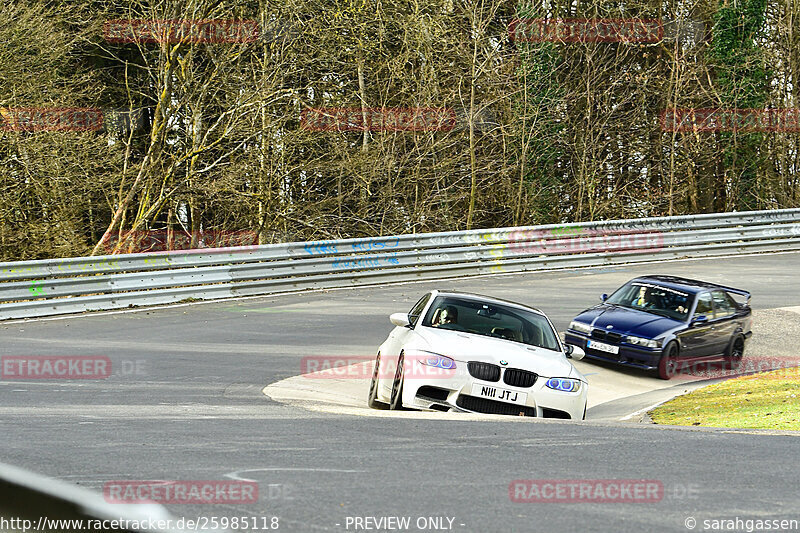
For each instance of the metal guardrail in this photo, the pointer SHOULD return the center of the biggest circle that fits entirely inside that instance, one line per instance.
(50, 287)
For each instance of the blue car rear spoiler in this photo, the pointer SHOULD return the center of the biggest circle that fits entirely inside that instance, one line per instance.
(739, 292)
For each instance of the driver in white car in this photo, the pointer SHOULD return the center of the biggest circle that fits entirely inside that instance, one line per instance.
(448, 315)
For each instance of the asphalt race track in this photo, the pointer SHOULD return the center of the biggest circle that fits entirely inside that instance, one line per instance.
(184, 402)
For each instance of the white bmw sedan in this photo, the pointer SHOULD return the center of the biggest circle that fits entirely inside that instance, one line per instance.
(464, 352)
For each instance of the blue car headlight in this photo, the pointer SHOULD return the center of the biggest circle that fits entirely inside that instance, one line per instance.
(580, 327)
(563, 384)
(438, 361)
(641, 341)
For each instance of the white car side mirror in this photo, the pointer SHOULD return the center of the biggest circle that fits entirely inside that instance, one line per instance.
(399, 319)
(574, 352)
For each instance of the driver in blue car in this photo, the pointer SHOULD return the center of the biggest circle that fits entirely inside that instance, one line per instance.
(643, 299)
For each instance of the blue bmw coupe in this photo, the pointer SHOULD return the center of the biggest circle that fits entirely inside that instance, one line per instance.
(665, 323)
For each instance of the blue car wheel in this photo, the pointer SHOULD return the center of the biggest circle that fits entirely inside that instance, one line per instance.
(667, 366)
(734, 353)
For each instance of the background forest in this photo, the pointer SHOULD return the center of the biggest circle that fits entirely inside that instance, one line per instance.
(207, 137)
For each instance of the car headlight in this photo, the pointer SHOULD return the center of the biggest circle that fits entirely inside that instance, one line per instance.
(438, 361)
(640, 341)
(563, 384)
(580, 326)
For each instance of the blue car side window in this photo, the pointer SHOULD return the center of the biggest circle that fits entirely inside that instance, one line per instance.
(704, 307)
(722, 306)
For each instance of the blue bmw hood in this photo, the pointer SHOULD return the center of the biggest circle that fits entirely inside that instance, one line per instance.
(625, 320)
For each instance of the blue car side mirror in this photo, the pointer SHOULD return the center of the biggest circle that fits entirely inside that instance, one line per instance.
(699, 319)
(603, 297)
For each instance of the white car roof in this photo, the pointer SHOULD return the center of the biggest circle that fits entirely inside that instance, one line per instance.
(480, 297)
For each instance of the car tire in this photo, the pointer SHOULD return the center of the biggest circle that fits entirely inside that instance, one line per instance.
(396, 402)
(668, 364)
(584, 409)
(734, 353)
(372, 400)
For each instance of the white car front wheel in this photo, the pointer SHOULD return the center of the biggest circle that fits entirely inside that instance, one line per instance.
(373, 401)
(396, 402)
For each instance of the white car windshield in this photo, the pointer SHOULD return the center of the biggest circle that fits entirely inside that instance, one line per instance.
(491, 320)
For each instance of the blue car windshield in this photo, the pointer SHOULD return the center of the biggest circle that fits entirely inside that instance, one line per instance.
(653, 298)
(491, 320)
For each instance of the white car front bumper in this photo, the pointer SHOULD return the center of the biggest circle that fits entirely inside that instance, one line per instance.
(426, 388)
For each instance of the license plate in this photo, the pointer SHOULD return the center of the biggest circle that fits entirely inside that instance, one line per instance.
(602, 347)
(496, 393)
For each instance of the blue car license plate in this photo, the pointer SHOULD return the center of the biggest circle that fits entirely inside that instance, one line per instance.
(602, 347)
